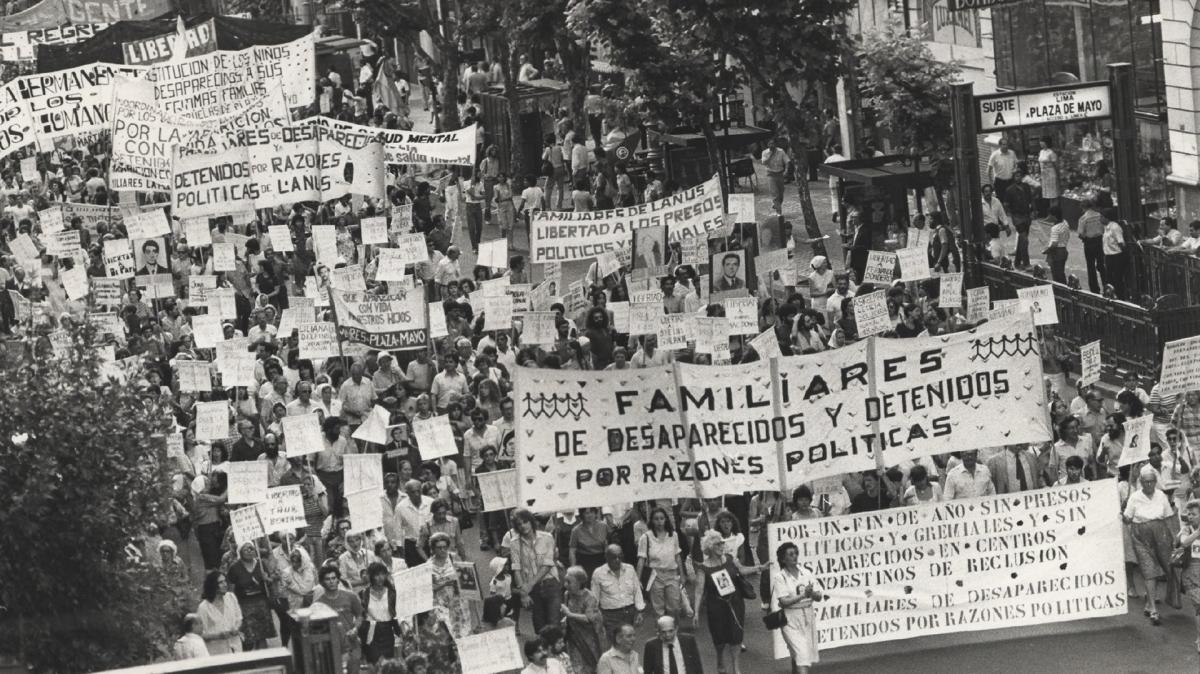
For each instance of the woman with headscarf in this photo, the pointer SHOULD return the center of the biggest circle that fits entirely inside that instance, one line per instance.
(328, 401)
(248, 580)
(1148, 511)
(820, 282)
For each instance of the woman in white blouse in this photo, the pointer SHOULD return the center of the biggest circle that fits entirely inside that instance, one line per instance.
(1148, 511)
(793, 590)
(220, 615)
(659, 550)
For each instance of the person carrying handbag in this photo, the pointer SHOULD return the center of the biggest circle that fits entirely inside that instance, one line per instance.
(721, 593)
(793, 591)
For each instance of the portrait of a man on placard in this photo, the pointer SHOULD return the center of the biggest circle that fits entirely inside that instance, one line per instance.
(728, 271)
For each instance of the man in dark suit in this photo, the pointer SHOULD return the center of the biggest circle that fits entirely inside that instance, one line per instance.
(730, 278)
(671, 652)
(150, 253)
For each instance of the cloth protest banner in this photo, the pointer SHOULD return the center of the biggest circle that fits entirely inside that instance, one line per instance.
(979, 302)
(247, 525)
(366, 510)
(392, 322)
(204, 185)
(1089, 363)
(1040, 300)
(498, 489)
(149, 224)
(318, 339)
(453, 148)
(990, 562)
(1180, 366)
(142, 139)
(75, 282)
(362, 471)
(193, 375)
(374, 231)
(198, 39)
(871, 314)
(414, 589)
(113, 11)
(212, 420)
(434, 437)
(493, 254)
(600, 438)
(950, 290)
(914, 264)
(881, 267)
(197, 233)
(281, 238)
(247, 481)
(302, 434)
(42, 107)
(305, 163)
(283, 509)
(490, 652)
(1138, 436)
(118, 259)
(741, 314)
(21, 45)
(565, 236)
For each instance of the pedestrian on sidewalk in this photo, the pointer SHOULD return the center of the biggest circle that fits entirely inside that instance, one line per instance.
(775, 159)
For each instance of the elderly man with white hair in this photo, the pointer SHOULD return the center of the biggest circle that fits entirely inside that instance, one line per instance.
(1148, 512)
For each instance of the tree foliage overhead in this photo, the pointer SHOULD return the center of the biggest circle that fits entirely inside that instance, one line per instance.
(82, 473)
(908, 88)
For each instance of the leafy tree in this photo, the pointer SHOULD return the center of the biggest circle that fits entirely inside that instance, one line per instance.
(676, 80)
(82, 473)
(786, 49)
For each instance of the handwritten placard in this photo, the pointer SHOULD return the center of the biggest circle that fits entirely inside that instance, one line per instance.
(498, 489)
(284, 509)
(247, 481)
(434, 436)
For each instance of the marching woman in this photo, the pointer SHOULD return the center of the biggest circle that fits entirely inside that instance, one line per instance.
(793, 591)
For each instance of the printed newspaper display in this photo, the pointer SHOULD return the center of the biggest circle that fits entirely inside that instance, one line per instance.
(565, 236)
(981, 563)
(616, 436)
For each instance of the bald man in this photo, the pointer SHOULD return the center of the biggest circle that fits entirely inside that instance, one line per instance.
(671, 646)
(616, 588)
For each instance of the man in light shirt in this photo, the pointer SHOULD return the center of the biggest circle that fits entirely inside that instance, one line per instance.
(993, 210)
(775, 159)
(448, 268)
(621, 658)
(968, 479)
(1191, 244)
(1091, 232)
(1000, 166)
(579, 159)
(617, 590)
(357, 396)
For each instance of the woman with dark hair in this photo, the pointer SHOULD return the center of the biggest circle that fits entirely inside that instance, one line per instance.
(599, 334)
(588, 540)
(249, 582)
(379, 627)
(793, 591)
(659, 550)
(220, 615)
(209, 525)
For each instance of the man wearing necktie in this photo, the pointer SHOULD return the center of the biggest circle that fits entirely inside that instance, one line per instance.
(671, 652)
(1014, 470)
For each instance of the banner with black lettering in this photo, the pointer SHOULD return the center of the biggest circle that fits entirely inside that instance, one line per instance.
(209, 185)
(22, 45)
(691, 430)
(199, 39)
(392, 322)
(43, 107)
(1028, 558)
(453, 148)
(349, 164)
(564, 236)
(142, 140)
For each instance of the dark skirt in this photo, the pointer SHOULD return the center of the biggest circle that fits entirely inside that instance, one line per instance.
(257, 624)
(383, 645)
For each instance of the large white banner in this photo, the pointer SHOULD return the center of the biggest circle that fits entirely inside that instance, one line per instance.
(410, 147)
(392, 322)
(563, 236)
(43, 107)
(209, 185)
(1028, 558)
(599, 438)
(141, 139)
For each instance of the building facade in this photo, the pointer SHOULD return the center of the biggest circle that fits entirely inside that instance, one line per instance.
(1035, 43)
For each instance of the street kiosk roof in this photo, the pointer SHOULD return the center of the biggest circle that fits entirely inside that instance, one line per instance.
(891, 171)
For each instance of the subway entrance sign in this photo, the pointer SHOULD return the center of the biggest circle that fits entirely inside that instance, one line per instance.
(1046, 105)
